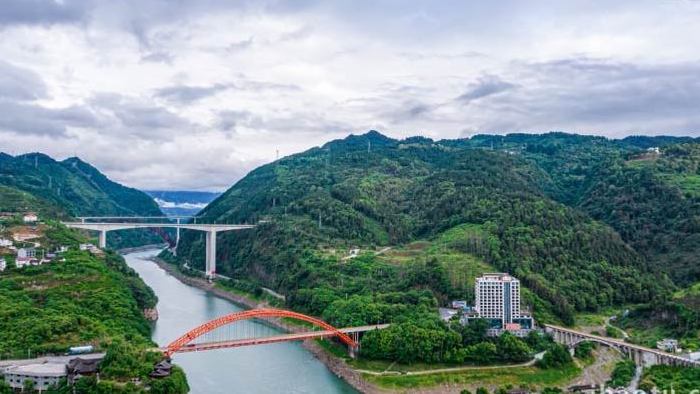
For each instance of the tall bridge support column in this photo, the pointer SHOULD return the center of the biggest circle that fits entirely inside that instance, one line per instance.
(103, 239)
(177, 238)
(210, 269)
(353, 351)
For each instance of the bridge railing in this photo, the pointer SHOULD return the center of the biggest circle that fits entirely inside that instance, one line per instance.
(154, 219)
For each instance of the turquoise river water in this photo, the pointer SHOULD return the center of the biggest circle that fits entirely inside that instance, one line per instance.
(275, 368)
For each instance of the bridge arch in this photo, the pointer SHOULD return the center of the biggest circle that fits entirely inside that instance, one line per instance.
(174, 346)
(609, 345)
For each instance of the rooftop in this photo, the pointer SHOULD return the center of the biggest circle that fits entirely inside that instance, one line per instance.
(496, 276)
(45, 369)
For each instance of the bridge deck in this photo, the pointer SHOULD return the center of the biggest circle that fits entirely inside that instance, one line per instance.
(197, 347)
(619, 343)
(112, 226)
(133, 217)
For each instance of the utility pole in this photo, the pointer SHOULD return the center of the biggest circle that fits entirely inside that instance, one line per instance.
(319, 220)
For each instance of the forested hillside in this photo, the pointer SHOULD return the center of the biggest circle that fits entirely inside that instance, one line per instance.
(530, 198)
(80, 299)
(653, 201)
(72, 188)
(73, 184)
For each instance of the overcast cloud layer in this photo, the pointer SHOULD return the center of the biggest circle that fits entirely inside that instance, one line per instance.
(193, 94)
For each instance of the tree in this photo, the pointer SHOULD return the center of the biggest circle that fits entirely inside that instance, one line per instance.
(552, 390)
(557, 356)
(512, 349)
(472, 333)
(584, 349)
(28, 386)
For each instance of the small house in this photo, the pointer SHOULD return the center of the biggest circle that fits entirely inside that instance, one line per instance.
(26, 253)
(30, 217)
(25, 257)
(668, 345)
(162, 369)
(79, 367)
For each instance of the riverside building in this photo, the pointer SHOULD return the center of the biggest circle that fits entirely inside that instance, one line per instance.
(498, 301)
(43, 375)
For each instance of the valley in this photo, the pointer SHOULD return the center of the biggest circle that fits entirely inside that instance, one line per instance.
(372, 230)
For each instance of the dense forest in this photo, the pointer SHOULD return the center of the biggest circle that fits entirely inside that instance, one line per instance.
(545, 208)
(61, 189)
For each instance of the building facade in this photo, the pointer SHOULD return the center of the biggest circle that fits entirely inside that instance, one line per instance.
(498, 301)
(498, 297)
(43, 375)
(30, 217)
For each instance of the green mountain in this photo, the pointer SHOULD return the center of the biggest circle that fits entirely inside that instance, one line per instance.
(73, 184)
(653, 201)
(526, 204)
(71, 188)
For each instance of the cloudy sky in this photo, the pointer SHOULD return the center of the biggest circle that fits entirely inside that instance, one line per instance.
(193, 94)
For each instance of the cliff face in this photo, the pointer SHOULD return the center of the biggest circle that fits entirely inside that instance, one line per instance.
(151, 314)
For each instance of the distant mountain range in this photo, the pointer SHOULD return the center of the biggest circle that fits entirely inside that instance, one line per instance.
(182, 203)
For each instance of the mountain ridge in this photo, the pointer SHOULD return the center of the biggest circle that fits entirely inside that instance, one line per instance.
(70, 188)
(370, 189)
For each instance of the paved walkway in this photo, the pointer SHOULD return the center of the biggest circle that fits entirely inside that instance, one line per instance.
(530, 363)
(623, 332)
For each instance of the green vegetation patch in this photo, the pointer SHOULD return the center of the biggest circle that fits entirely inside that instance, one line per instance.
(622, 374)
(48, 308)
(85, 299)
(665, 377)
(532, 376)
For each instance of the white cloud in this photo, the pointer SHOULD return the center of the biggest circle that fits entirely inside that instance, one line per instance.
(193, 96)
(183, 205)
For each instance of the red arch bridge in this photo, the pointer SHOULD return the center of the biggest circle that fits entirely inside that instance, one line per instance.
(240, 329)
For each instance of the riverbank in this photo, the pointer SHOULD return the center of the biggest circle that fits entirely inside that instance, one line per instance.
(143, 248)
(336, 365)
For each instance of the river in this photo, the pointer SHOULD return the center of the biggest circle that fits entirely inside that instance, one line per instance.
(275, 368)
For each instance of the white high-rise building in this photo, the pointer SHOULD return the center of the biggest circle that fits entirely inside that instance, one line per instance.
(498, 297)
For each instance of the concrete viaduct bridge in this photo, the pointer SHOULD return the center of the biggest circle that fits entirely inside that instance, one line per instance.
(642, 356)
(105, 224)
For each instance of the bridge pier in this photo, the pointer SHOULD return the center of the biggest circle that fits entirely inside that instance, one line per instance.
(210, 265)
(177, 237)
(103, 239)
